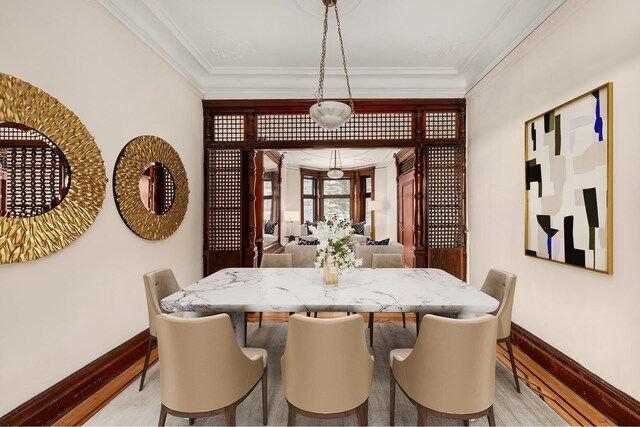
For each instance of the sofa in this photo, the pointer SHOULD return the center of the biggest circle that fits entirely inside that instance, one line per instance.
(360, 238)
(304, 256)
(366, 251)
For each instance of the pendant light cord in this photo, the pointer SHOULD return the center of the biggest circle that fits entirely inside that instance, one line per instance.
(320, 92)
(344, 59)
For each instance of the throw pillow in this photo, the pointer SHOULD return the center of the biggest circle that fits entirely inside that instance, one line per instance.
(308, 242)
(307, 224)
(383, 242)
(270, 227)
(358, 227)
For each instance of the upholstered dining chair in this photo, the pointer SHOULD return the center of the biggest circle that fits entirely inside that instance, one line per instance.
(327, 370)
(204, 372)
(158, 284)
(501, 285)
(274, 261)
(385, 261)
(450, 372)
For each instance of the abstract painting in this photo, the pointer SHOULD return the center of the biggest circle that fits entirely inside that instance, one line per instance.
(568, 170)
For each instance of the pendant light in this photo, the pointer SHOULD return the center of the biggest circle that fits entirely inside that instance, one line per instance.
(335, 172)
(331, 115)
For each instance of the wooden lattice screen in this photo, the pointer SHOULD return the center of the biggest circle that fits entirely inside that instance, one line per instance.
(233, 130)
(445, 196)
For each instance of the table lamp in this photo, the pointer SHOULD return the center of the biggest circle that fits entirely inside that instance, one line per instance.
(291, 216)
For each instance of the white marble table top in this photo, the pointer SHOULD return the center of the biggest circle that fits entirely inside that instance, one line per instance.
(359, 290)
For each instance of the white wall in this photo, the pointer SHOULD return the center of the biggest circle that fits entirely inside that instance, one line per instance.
(290, 194)
(591, 317)
(65, 310)
(381, 208)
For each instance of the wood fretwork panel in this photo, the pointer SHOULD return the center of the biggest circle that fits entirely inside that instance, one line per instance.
(224, 213)
(365, 126)
(228, 128)
(445, 196)
(441, 125)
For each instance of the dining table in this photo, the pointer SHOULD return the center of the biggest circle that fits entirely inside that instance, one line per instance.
(366, 290)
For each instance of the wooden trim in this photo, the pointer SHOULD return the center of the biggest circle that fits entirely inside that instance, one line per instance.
(53, 403)
(615, 404)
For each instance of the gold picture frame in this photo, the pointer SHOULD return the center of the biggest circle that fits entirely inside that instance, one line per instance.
(25, 239)
(133, 160)
(569, 182)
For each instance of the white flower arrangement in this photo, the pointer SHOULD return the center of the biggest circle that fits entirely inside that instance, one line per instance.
(334, 235)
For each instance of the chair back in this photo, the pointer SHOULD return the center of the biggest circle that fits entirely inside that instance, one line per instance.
(326, 367)
(157, 285)
(501, 285)
(386, 261)
(202, 367)
(452, 366)
(276, 261)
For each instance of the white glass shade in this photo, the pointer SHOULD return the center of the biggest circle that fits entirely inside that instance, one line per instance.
(335, 173)
(291, 215)
(330, 115)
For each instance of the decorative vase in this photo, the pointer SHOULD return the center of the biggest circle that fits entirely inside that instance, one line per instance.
(329, 277)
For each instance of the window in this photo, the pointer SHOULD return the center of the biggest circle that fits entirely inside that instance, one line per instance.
(268, 212)
(309, 199)
(336, 198)
(367, 185)
(345, 198)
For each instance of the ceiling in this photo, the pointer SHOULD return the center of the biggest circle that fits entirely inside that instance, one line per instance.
(351, 158)
(243, 49)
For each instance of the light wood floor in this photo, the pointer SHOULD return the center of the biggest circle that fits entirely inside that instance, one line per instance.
(573, 409)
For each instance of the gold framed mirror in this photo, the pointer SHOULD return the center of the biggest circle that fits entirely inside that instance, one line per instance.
(52, 175)
(150, 187)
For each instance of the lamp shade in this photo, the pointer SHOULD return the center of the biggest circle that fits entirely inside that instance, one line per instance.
(291, 215)
(335, 173)
(330, 115)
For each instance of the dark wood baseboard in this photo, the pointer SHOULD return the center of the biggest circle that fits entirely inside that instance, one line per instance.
(615, 404)
(53, 403)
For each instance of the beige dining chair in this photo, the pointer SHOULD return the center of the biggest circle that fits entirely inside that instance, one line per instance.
(385, 261)
(450, 372)
(158, 284)
(204, 372)
(326, 368)
(501, 285)
(274, 261)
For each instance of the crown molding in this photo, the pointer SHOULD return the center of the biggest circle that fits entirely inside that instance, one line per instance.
(155, 28)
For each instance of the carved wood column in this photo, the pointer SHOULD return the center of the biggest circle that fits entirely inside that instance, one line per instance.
(249, 190)
(419, 249)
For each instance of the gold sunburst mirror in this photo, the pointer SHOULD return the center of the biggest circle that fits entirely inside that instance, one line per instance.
(150, 187)
(52, 176)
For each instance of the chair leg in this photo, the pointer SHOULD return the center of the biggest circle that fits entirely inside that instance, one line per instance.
(265, 407)
(163, 416)
(308, 314)
(230, 415)
(466, 422)
(371, 329)
(404, 320)
(260, 320)
(422, 416)
(366, 412)
(392, 398)
(361, 414)
(417, 323)
(192, 421)
(291, 420)
(146, 361)
(315, 314)
(492, 418)
(512, 359)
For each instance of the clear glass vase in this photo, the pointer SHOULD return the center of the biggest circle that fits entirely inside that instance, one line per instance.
(329, 277)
